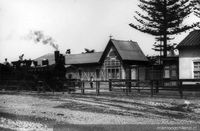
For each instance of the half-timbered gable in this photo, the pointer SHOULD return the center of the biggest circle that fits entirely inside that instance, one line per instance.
(111, 63)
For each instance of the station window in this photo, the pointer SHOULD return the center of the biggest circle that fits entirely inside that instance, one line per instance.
(170, 71)
(197, 70)
(166, 72)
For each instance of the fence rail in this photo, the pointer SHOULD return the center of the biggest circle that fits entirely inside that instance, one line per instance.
(126, 85)
(155, 86)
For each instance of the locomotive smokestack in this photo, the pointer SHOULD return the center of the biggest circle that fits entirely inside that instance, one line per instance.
(57, 56)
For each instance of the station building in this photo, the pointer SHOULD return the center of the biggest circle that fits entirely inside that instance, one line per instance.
(119, 60)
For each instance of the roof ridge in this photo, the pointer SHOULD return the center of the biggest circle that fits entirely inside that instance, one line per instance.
(125, 40)
(48, 54)
(86, 53)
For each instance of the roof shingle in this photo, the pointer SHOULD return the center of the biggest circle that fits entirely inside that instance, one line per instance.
(85, 58)
(129, 50)
(192, 40)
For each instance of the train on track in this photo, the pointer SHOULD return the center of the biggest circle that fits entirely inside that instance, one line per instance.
(27, 74)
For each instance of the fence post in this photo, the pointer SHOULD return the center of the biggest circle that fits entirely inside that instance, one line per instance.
(138, 85)
(127, 87)
(97, 87)
(157, 86)
(181, 89)
(38, 86)
(152, 88)
(110, 85)
(37, 89)
(53, 91)
(82, 88)
(68, 87)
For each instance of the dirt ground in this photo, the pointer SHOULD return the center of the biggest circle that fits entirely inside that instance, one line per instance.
(108, 111)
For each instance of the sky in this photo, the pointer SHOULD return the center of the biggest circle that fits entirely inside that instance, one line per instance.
(73, 24)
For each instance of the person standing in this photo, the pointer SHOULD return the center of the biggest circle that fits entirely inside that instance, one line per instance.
(91, 81)
(6, 62)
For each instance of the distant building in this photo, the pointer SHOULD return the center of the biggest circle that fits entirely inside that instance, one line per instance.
(50, 57)
(189, 56)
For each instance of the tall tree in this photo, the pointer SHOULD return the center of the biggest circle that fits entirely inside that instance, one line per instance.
(196, 7)
(163, 18)
(170, 48)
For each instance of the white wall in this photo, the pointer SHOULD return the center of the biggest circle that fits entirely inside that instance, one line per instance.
(185, 68)
(186, 59)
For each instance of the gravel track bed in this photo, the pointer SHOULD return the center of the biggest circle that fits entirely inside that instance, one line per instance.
(90, 109)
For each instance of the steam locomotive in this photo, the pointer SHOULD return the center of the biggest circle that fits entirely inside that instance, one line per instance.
(52, 77)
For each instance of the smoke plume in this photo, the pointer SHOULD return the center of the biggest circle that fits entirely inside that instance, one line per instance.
(39, 37)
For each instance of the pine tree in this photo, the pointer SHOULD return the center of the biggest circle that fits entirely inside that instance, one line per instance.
(163, 19)
(196, 7)
(160, 48)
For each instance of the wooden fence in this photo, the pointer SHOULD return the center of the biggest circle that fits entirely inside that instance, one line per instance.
(179, 85)
(125, 85)
(84, 85)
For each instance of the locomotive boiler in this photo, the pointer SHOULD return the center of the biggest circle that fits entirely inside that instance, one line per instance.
(28, 71)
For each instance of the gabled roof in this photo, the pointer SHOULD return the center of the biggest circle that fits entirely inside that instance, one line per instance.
(129, 50)
(192, 40)
(85, 58)
(49, 56)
